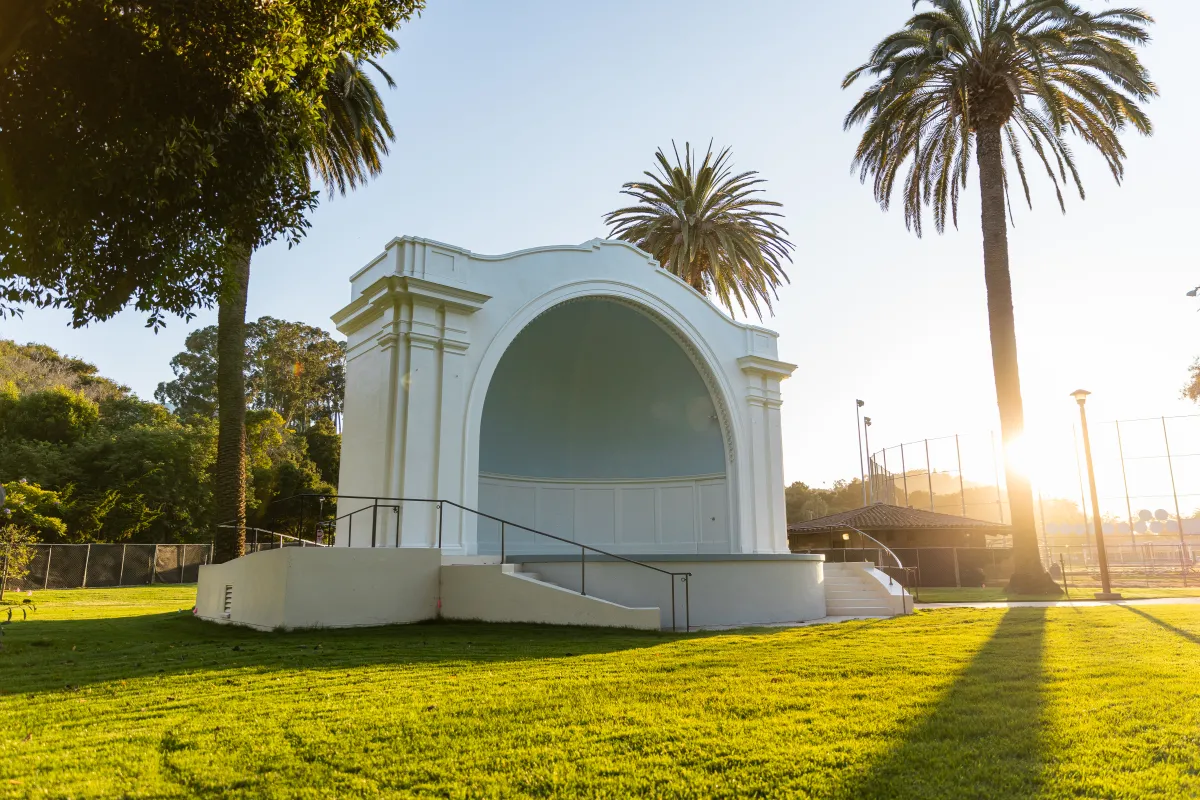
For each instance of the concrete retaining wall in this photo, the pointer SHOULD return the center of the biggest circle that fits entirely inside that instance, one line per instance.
(728, 590)
(322, 587)
(497, 594)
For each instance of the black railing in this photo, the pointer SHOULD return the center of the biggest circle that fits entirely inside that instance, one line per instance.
(396, 504)
(912, 575)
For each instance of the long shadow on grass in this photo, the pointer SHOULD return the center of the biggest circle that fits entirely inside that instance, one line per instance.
(53, 655)
(983, 738)
(1191, 637)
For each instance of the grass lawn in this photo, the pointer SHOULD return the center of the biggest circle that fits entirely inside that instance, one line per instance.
(117, 693)
(996, 594)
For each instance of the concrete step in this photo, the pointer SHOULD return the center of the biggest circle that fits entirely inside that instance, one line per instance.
(842, 594)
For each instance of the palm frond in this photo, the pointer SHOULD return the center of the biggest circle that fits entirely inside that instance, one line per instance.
(348, 145)
(708, 226)
(1039, 70)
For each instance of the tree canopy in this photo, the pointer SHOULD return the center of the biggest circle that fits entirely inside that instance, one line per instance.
(1038, 70)
(217, 102)
(295, 370)
(116, 468)
(709, 226)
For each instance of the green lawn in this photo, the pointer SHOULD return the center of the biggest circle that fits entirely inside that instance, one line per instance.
(996, 594)
(117, 693)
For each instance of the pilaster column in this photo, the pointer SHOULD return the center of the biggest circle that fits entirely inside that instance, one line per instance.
(768, 532)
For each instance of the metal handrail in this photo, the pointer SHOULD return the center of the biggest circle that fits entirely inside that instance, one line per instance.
(896, 558)
(503, 526)
(303, 542)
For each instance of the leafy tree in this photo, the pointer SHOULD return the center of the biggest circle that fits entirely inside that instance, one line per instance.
(57, 416)
(344, 146)
(805, 502)
(1003, 81)
(193, 393)
(28, 515)
(294, 369)
(325, 449)
(279, 468)
(217, 101)
(32, 367)
(709, 227)
(33, 510)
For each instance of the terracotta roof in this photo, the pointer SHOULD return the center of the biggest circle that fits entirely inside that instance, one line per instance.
(881, 516)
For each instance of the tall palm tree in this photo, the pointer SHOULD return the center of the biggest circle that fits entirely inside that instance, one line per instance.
(709, 227)
(345, 150)
(999, 79)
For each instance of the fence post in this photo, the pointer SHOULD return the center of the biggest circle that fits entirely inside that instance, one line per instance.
(1125, 480)
(121, 574)
(153, 563)
(49, 554)
(904, 474)
(962, 492)
(182, 555)
(4, 576)
(374, 519)
(929, 474)
(87, 557)
(957, 579)
(1175, 494)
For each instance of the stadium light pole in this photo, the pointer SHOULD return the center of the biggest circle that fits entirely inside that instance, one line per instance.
(870, 464)
(1080, 396)
(862, 470)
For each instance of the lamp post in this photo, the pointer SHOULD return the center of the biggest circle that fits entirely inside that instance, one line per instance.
(871, 464)
(862, 470)
(1080, 396)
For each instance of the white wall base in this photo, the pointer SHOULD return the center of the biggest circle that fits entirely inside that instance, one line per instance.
(322, 587)
(332, 587)
(729, 591)
(499, 594)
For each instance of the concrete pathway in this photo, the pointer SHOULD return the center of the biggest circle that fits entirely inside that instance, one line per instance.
(1158, 601)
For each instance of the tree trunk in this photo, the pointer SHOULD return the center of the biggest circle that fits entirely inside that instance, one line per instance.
(1029, 576)
(230, 543)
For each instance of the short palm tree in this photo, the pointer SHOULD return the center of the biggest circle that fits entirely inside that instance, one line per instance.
(709, 227)
(1002, 82)
(345, 149)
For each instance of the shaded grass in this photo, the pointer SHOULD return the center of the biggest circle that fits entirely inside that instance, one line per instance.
(117, 693)
(996, 594)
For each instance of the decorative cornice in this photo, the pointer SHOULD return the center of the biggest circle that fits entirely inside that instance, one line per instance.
(390, 288)
(757, 365)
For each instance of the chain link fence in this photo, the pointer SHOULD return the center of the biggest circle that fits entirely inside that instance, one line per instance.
(933, 566)
(77, 566)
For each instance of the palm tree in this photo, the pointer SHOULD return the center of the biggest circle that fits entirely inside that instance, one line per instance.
(345, 149)
(708, 227)
(999, 79)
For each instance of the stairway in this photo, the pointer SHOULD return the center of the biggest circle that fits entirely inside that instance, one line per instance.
(860, 590)
(502, 593)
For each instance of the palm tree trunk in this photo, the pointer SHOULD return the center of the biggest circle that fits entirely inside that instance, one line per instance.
(230, 543)
(1029, 576)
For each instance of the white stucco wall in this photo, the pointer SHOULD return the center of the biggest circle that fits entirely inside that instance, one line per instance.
(721, 592)
(309, 587)
(496, 594)
(429, 323)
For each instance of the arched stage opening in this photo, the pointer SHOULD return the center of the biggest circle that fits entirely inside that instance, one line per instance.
(598, 427)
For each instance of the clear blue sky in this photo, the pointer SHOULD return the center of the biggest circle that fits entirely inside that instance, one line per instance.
(518, 122)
